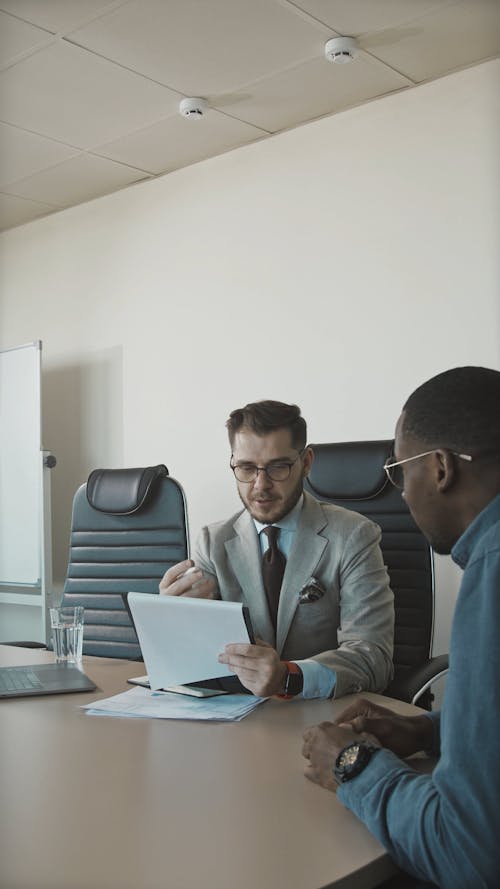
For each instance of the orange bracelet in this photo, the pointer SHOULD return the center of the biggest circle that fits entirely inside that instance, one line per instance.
(292, 668)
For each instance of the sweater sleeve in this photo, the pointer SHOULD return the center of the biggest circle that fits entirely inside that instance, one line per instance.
(444, 827)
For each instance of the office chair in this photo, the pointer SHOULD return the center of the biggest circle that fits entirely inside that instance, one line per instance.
(351, 474)
(128, 526)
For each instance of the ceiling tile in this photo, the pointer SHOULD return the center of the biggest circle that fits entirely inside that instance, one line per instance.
(80, 179)
(459, 35)
(312, 90)
(177, 142)
(26, 153)
(260, 63)
(202, 48)
(77, 97)
(17, 38)
(355, 17)
(16, 211)
(57, 15)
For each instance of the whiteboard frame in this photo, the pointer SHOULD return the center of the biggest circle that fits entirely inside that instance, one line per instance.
(38, 593)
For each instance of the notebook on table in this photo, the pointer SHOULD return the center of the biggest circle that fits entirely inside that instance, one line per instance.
(42, 679)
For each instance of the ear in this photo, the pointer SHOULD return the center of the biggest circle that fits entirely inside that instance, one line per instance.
(307, 460)
(445, 471)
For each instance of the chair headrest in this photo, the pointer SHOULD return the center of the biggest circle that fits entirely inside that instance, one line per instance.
(350, 470)
(122, 491)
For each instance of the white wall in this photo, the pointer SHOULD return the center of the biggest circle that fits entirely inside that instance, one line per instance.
(337, 266)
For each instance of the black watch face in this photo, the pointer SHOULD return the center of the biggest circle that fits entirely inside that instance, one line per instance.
(349, 757)
(294, 683)
(352, 760)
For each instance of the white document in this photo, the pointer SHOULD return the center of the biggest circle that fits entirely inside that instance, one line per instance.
(181, 637)
(143, 703)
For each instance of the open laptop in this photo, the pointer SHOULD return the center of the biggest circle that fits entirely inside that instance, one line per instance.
(42, 679)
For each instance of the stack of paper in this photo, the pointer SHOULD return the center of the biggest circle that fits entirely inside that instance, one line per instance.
(143, 703)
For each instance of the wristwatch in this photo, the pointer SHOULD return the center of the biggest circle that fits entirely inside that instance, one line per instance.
(294, 682)
(353, 759)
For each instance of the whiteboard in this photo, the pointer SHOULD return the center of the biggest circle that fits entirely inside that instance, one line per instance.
(21, 465)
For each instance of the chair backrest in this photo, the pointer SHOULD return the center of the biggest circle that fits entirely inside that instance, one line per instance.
(124, 549)
(351, 474)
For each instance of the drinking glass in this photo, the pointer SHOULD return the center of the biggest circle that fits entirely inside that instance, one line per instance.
(67, 633)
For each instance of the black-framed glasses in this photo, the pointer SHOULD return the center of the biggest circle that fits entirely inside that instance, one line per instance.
(394, 472)
(277, 471)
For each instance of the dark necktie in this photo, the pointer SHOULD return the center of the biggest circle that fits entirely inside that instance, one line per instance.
(273, 569)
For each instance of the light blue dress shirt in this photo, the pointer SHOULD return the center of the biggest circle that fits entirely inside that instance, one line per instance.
(319, 681)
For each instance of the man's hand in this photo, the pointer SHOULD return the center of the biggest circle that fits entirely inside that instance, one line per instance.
(404, 735)
(322, 745)
(258, 667)
(194, 584)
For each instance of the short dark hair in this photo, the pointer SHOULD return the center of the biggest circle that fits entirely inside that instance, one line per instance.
(458, 409)
(263, 417)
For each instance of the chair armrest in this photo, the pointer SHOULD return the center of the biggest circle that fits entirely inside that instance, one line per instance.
(26, 644)
(410, 687)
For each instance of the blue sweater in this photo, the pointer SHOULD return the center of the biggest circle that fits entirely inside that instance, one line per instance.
(445, 827)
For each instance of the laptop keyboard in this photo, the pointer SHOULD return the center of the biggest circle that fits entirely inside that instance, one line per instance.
(18, 680)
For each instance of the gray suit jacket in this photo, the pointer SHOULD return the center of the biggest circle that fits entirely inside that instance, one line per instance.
(351, 628)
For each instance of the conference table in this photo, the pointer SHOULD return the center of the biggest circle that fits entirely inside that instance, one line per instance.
(98, 802)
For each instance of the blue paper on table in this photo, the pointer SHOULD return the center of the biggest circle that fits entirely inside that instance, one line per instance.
(143, 703)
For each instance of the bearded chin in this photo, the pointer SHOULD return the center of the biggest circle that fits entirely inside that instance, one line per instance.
(284, 507)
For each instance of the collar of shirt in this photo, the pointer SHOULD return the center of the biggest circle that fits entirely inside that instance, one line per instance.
(287, 525)
(466, 543)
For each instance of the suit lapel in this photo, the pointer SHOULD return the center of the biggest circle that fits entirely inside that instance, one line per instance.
(243, 552)
(304, 557)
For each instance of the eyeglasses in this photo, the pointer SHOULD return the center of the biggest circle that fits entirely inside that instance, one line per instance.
(277, 472)
(394, 472)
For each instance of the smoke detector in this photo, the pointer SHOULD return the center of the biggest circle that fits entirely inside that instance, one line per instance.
(341, 49)
(193, 108)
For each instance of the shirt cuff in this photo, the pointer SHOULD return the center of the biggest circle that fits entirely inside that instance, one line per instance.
(319, 681)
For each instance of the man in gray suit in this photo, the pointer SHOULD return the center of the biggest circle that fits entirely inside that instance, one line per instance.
(311, 573)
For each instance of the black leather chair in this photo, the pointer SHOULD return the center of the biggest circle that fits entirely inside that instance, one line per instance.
(128, 526)
(351, 474)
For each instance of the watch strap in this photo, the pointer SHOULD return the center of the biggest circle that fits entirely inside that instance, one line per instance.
(294, 682)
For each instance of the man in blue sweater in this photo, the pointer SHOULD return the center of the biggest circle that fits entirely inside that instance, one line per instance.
(445, 827)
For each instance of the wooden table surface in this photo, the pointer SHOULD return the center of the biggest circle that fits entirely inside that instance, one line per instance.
(91, 802)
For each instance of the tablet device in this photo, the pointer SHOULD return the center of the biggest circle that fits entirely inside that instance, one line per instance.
(181, 637)
(192, 691)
